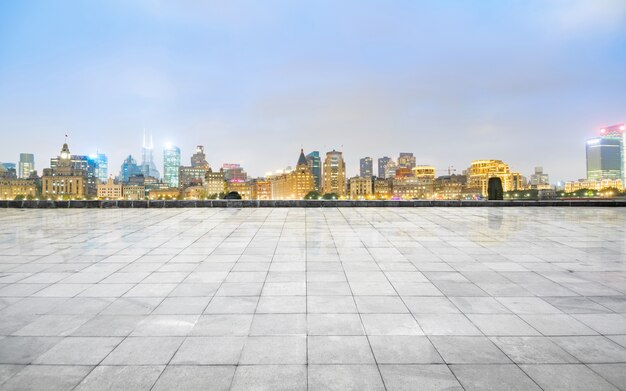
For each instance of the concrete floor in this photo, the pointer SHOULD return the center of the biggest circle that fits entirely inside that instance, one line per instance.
(295, 299)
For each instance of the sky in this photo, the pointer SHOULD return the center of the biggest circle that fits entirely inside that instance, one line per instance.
(524, 81)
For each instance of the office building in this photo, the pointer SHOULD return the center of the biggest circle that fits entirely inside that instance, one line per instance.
(594, 184)
(171, 164)
(382, 166)
(263, 189)
(198, 159)
(295, 184)
(234, 172)
(406, 160)
(383, 188)
(334, 173)
(361, 187)
(11, 187)
(129, 169)
(539, 180)
(214, 182)
(102, 166)
(604, 158)
(315, 162)
(26, 165)
(366, 167)
(110, 190)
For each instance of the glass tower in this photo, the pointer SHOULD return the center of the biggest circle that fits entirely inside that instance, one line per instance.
(315, 163)
(366, 167)
(604, 158)
(382, 166)
(171, 164)
(26, 165)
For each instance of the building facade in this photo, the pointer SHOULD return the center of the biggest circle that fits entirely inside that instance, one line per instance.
(171, 164)
(296, 184)
(334, 173)
(110, 190)
(480, 171)
(366, 167)
(361, 187)
(129, 169)
(383, 188)
(604, 158)
(406, 160)
(64, 180)
(315, 163)
(382, 166)
(148, 167)
(26, 166)
(198, 159)
(214, 182)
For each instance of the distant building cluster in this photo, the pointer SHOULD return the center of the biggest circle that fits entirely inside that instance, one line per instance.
(314, 176)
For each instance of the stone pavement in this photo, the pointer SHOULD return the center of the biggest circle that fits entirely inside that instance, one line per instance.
(317, 299)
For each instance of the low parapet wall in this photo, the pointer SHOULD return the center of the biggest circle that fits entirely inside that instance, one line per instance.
(111, 204)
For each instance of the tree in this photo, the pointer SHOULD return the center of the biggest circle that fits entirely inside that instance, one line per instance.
(233, 195)
(312, 195)
(330, 196)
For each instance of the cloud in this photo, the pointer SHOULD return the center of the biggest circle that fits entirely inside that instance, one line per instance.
(587, 16)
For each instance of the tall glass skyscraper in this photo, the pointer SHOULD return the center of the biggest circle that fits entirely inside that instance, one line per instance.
(604, 158)
(382, 166)
(315, 163)
(102, 166)
(26, 165)
(148, 168)
(171, 164)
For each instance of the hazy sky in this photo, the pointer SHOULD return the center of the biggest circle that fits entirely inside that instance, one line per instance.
(523, 81)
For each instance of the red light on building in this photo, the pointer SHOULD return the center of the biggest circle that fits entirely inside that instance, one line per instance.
(612, 131)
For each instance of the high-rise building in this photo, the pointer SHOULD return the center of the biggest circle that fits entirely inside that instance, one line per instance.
(198, 159)
(26, 165)
(315, 163)
(382, 166)
(390, 169)
(129, 169)
(603, 153)
(171, 164)
(406, 160)
(234, 172)
(148, 168)
(604, 158)
(66, 178)
(334, 173)
(102, 166)
(366, 167)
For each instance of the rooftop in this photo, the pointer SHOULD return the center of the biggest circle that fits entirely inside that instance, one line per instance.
(313, 298)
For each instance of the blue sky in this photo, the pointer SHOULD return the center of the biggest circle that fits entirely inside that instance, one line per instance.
(452, 81)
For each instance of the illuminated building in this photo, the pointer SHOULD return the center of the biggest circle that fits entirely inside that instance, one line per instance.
(102, 166)
(403, 172)
(198, 159)
(410, 187)
(195, 192)
(382, 166)
(159, 194)
(171, 164)
(334, 173)
(315, 163)
(263, 189)
(406, 160)
(383, 188)
(191, 176)
(449, 187)
(26, 165)
(293, 185)
(110, 190)
(214, 182)
(594, 185)
(244, 188)
(481, 170)
(234, 172)
(11, 187)
(605, 154)
(360, 187)
(426, 172)
(148, 168)
(64, 179)
(129, 169)
(366, 167)
(84, 163)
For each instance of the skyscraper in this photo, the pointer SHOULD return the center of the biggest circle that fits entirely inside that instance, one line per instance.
(234, 172)
(148, 168)
(198, 159)
(26, 165)
(129, 169)
(315, 163)
(617, 132)
(406, 160)
(604, 158)
(171, 163)
(382, 166)
(335, 173)
(366, 167)
(102, 166)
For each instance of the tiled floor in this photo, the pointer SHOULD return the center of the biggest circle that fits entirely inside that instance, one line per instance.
(318, 299)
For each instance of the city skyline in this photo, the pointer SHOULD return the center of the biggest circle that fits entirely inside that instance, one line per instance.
(451, 82)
